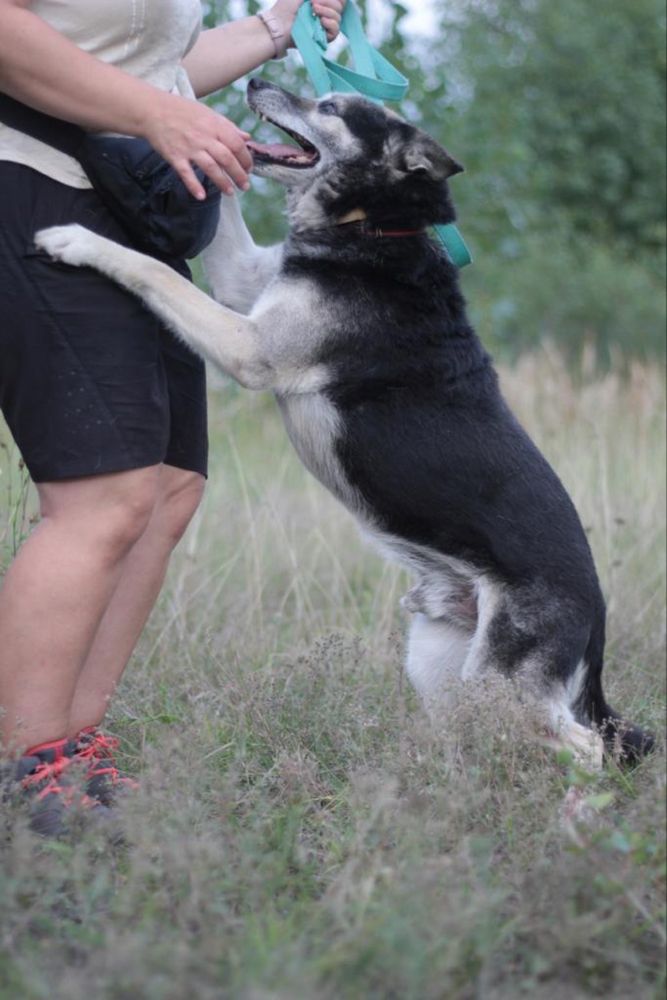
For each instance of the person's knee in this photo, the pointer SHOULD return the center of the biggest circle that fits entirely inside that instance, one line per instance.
(126, 522)
(179, 499)
(109, 513)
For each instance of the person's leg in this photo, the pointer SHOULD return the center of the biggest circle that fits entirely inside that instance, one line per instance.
(56, 591)
(140, 582)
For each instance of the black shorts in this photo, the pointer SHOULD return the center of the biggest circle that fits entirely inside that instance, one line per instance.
(90, 381)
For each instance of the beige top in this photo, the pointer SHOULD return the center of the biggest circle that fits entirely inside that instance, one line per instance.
(147, 38)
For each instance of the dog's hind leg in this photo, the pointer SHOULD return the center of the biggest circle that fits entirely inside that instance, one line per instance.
(436, 653)
(539, 641)
(489, 597)
(230, 341)
(444, 607)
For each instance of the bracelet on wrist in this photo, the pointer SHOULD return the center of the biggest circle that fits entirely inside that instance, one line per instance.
(279, 36)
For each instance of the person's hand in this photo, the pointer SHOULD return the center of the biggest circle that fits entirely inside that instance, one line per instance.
(328, 11)
(185, 133)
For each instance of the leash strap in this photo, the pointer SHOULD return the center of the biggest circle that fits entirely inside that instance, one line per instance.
(373, 77)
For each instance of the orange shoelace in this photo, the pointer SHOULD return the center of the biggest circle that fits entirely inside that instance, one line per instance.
(48, 773)
(98, 748)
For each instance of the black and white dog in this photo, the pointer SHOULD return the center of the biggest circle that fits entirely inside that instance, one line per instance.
(358, 325)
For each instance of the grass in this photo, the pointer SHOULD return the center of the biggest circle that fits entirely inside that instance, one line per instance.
(302, 830)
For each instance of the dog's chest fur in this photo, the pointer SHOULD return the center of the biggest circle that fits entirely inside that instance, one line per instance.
(295, 320)
(314, 427)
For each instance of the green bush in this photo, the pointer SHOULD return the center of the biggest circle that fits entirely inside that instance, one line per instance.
(586, 297)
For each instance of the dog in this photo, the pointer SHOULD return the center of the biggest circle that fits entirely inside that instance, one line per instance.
(358, 325)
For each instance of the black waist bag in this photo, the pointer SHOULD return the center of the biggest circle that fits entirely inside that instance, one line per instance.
(148, 197)
(140, 189)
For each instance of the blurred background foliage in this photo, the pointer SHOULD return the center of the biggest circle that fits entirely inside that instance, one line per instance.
(558, 113)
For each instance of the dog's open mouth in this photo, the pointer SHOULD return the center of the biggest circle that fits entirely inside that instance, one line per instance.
(296, 157)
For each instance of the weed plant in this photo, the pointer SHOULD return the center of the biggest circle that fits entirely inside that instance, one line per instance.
(302, 829)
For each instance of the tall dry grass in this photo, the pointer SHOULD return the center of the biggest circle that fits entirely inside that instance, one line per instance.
(302, 829)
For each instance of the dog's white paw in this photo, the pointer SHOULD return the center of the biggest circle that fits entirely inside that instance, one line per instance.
(71, 244)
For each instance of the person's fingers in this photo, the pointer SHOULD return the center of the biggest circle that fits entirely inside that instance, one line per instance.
(227, 161)
(238, 149)
(329, 8)
(195, 134)
(332, 28)
(334, 7)
(184, 170)
(329, 13)
(235, 140)
(214, 171)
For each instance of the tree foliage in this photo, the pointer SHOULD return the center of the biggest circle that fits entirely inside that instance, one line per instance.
(565, 112)
(558, 113)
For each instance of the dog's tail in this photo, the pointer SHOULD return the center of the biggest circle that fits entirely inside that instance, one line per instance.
(624, 741)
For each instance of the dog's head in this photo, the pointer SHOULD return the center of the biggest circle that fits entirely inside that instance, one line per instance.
(351, 154)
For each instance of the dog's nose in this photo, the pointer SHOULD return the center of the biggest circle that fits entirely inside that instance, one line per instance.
(256, 84)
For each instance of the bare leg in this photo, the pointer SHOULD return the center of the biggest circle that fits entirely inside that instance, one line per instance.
(141, 580)
(56, 591)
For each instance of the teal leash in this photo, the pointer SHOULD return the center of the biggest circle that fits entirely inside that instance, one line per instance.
(373, 77)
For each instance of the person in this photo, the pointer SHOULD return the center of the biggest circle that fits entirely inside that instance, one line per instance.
(107, 409)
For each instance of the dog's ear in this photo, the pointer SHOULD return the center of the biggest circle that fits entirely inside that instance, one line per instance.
(423, 155)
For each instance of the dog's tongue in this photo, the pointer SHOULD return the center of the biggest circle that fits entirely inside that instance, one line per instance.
(275, 149)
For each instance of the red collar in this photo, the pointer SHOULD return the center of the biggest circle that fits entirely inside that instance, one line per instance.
(358, 215)
(381, 233)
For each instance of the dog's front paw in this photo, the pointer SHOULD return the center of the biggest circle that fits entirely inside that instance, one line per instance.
(73, 244)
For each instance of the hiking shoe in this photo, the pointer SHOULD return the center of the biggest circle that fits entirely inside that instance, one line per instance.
(44, 774)
(103, 779)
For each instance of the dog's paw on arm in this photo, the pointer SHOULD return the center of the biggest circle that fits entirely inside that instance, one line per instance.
(71, 244)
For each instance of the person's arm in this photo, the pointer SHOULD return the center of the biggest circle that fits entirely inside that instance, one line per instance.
(224, 54)
(42, 68)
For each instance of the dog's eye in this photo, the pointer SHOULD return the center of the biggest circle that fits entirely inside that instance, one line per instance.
(327, 108)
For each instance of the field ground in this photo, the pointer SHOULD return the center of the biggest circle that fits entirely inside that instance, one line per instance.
(302, 830)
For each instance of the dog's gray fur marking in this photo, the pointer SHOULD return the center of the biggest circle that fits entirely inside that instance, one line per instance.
(312, 423)
(237, 278)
